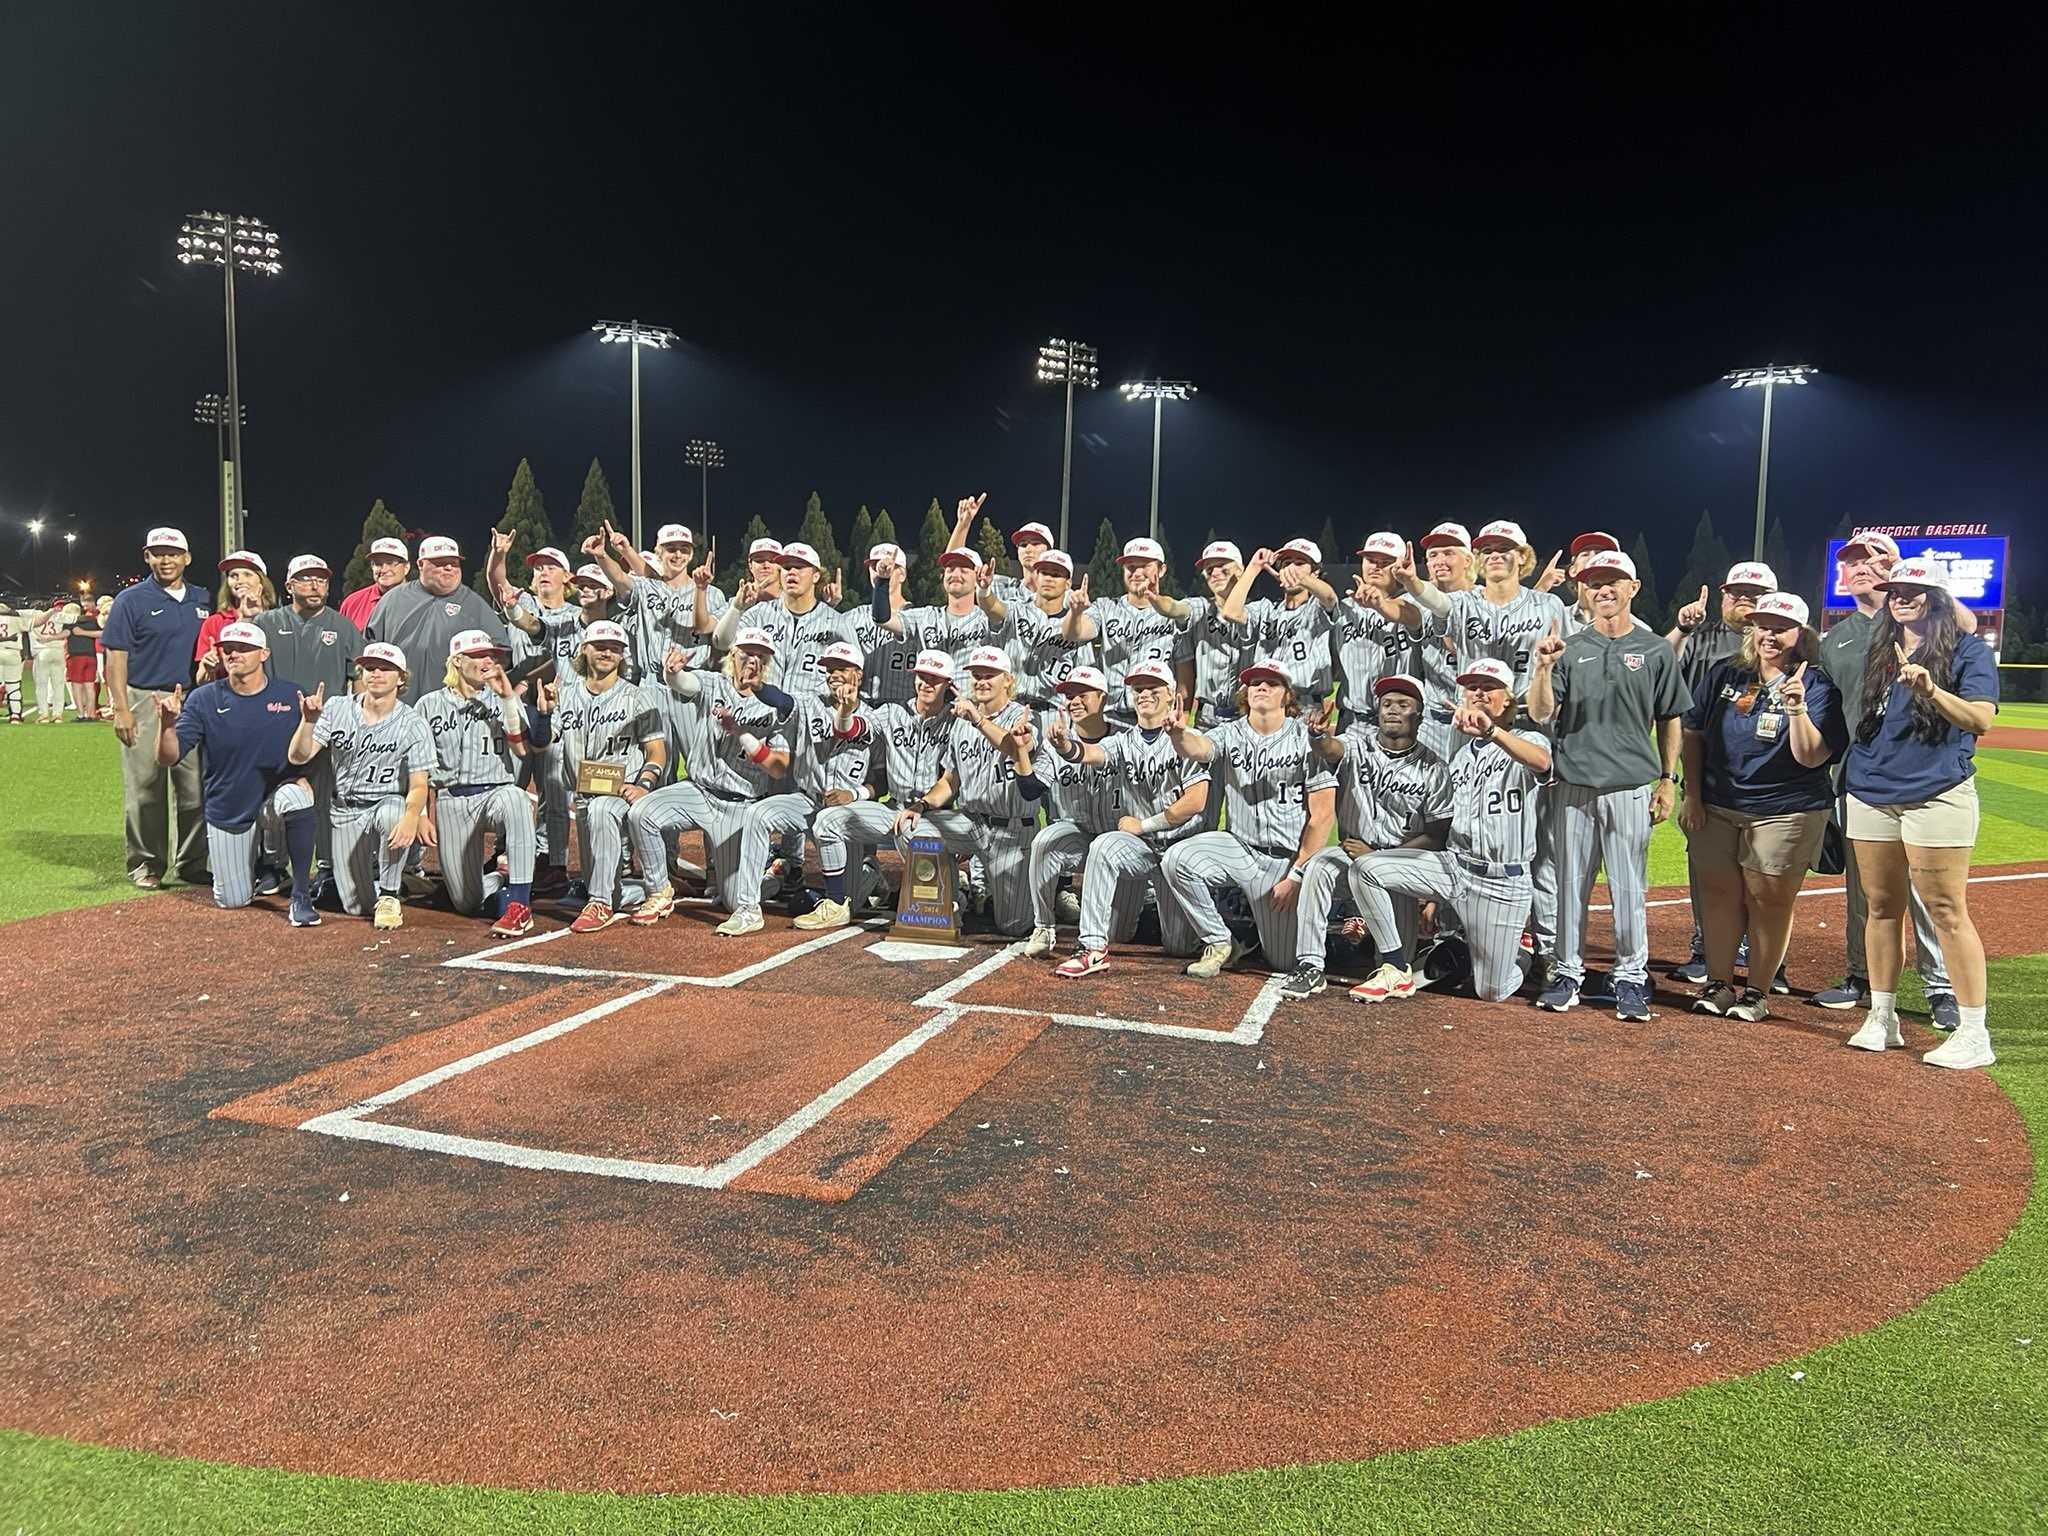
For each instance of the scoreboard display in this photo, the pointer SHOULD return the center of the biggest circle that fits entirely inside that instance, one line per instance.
(1975, 564)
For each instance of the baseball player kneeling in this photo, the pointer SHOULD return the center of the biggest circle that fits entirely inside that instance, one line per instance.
(1485, 871)
(615, 753)
(382, 756)
(1084, 800)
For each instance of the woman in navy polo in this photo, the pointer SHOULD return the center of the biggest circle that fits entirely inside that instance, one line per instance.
(1763, 727)
(1930, 689)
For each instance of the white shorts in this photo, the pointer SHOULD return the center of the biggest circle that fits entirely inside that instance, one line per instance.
(1949, 820)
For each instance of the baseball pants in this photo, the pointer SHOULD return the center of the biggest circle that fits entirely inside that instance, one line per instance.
(1543, 874)
(1118, 870)
(147, 793)
(233, 854)
(842, 830)
(1926, 944)
(1195, 867)
(1319, 882)
(601, 846)
(765, 820)
(50, 685)
(460, 822)
(365, 863)
(654, 821)
(556, 787)
(1595, 826)
(1060, 848)
(1495, 909)
(10, 681)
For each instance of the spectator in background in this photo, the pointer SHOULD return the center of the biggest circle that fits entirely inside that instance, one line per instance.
(82, 662)
(389, 566)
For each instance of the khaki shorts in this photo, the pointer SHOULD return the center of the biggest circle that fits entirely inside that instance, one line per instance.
(1770, 845)
(1949, 820)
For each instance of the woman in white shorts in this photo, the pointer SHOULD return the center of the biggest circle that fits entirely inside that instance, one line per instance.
(1929, 691)
(1763, 727)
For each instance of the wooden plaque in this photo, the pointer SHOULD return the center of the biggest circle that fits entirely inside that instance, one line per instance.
(599, 778)
(925, 909)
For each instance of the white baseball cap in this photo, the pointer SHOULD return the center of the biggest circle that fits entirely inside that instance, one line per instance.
(1142, 549)
(239, 633)
(1058, 559)
(1586, 541)
(1915, 573)
(474, 642)
(1400, 682)
(1446, 533)
(1872, 544)
(547, 554)
(166, 538)
(765, 549)
(395, 548)
(384, 651)
(1037, 531)
(440, 547)
(887, 554)
(1301, 549)
(842, 653)
(1150, 671)
(593, 575)
(1501, 528)
(1218, 553)
(307, 565)
(673, 533)
(1751, 574)
(752, 639)
(243, 559)
(1082, 679)
(1389, 544)
(801, 554)
(1264, 666)
(937, 664)
(986, 658)
(1489, 672)
(604, 632)
(1789, 606)
(967, 557)
(1609, 560)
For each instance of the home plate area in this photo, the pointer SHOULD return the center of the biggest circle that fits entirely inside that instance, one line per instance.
(777, 1063)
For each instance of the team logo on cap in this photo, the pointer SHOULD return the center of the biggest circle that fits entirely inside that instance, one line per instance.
(1453, 534)
(1501, 530)
(1399, 683)
(1149, 671)
(961, 557)
(1388, 544)
(395, 548)
(474, 642)
(751, 639)
(593, 576)
(379, 650)
(547, 554)
(1486, 672)
(306, 565)
(764, 549)
(244, 559)
(886, 554)
(1263, 667)
(1586, 541)
(1872, 544)
(604, 632)
(1301, 549)
(1782, 605)
(244, 634)
(1032, 533)
(440, 548)
(801, 554)
(1917, 573)
(1610, 561)
(842, 653)
(1142, 549)
(986, 658)
(1219, 553)
(934, 664)
(673, 533)
(1751, 575)
(1083, 678)
(1057, 560)
(165, 538)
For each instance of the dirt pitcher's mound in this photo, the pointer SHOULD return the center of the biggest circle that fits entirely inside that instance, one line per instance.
(1071, 1251)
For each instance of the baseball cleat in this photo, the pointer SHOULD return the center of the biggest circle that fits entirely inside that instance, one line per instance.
(143, 880)
(745, 921)
(1717, 999)
(1693, 972)
(1561, 996)
(657, 906)
(1851, 993)
(1082, 962)
(271, 882)
(1968, 1047)
(516, 922)
(1944, 1013)
(1389, 980)
(389, 913)
(1876, 1034)
(826, 914)
(1066, 906)
(303, 913)
(1304, 980)
(595, 916)
(1217, 958)
(1040, 944)
(1632, 1002)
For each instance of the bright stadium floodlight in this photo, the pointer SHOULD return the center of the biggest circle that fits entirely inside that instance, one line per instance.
(231, 241)
(1767, 379)
(632, 335)
(703, 455)
(212, 411)
(1158, 391)
(1071, 363)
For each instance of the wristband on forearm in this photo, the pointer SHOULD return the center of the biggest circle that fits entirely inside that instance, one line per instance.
(1159, 823)
(752, 745)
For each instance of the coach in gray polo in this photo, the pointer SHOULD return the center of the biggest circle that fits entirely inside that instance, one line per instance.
(1601, 695)
(310, 643)
(424, 614)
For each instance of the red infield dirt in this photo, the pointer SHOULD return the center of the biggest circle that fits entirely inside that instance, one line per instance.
(571, 1214)
(2018, 738)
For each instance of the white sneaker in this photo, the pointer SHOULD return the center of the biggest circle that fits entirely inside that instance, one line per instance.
(826, 914)
(389, 913)
(1389, 980)
(1214, 959)
(1878, 1033)
(1040, 944)
(1969, 1046)
(746, 920)
(1067, 907)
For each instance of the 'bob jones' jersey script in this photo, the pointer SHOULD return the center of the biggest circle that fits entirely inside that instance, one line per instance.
(1493, 803)
(1266, 782)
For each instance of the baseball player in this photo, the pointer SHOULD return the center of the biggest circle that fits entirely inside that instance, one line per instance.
(1484, 872)
(1601, 696)
(1447, 556)
(985, 799)
(1030, 543)
(890, 652)
(14, 628)
(970, 618)
(1084, 799)
(390, 564)
(1163, 794)
(423, 616)
(1044, 628)
(1213, 649)
(764, 572)
(1142, 625)
(1392, 792)
(615, 754)
(797, 618)
(382, 758)
(661, 596)
(50, 629)
(1371, 636)
(481, 731)
(1295, 630)
(242, 726)
(1280, 803)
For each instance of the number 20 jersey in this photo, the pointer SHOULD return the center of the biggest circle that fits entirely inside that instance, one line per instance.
(1493, 803)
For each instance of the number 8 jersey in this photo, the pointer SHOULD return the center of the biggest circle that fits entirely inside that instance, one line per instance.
(1493, 803)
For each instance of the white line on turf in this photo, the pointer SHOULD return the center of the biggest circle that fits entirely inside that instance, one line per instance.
(1833, 890)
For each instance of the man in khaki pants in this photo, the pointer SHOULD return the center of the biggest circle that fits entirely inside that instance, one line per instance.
(151, 640)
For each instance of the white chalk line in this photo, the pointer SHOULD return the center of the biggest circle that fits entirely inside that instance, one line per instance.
(1826, 890)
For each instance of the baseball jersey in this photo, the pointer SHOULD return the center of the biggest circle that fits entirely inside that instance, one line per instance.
(316, 650)
(1493, 802)
(1219, 648)
(937, 629)
(1042, 657)
(1153, 777)
(1610, 693)
(421, 625)
(609, 727)
(985, 775)
(157, 626)
(886, 677)
(1507, 632)
(913, 746)
(1266, 783)
(1746, 753)
(1011, 591)
(1091, 798)
(716, 759)
(1385, 798)
(244, 742)
(1368, 646)
(1126, 634)
(820, 758)
(1298, 638)
(561, 633)
(13, 628)
(373, 758)
(470, 744)
(799, 639)
(664, 615)
(49, 632)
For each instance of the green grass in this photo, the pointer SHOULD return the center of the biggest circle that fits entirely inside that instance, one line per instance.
(2033, 717)
(1936, 1422)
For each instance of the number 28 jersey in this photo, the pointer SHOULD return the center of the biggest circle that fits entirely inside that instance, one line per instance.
(1493, 802)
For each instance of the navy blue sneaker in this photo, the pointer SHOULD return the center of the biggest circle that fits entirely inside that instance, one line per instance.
(1944, 1013)
(1693, 972)
(1632, 1001)
(575, 896)
(1561, 996)
(304, 914)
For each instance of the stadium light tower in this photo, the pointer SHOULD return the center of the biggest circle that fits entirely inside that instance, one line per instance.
(212, 411)
(1158, 391)
(634, 335)
(1767, 379)
(230, 241)
(1070, 363)
(703, 455)
(35, 535)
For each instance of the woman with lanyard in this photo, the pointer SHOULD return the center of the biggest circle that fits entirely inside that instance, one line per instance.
(245, 591)
(1930, 689)
(1763, 728)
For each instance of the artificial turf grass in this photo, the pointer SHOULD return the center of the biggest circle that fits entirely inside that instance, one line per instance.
(60, 819)
(1935, 1422)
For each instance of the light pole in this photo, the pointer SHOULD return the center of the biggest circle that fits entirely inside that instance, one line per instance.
(1158, 391)
(70, 556)
(228, 241)
(703, 455)
(35, 558)
(1070, 363)
(1768, 379)
(212, 411)
(631, 333)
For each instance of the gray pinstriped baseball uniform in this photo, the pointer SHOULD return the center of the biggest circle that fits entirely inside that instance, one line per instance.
(1121, 866)
(1040, 654)
(1220, 649)
(1082, 803)
(1368, 646)
(800, 639)
(721, 785)
(476, 790)
(820, 759)
(932, 628)
(1126, 634)
(886, 677)
(913, 748)
(612, 726)
(1298, 638)
(372, 762)
(989, 816)
(561, 636)
(1382, 801)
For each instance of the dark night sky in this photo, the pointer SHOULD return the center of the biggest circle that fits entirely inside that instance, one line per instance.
(1413, 281)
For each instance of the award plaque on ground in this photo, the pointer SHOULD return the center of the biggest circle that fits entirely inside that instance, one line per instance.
(925, 913)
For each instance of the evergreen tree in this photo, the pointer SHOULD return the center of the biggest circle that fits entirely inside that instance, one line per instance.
(1778, 556)
(860, 538)
(1169, 583)
(1326, 541)
(816, 531)
(994, 549)
(526, 519)
(885, 530)
(593, 509)
(1706, 566)
(1649, 602)
(735, 571)
(1105, 576)
(921, 587)
(380, 524)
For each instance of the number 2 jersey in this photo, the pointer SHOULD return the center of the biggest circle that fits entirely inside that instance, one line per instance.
(1493, 802)
(1266, 783)
(1507, 632)
(373, 758)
